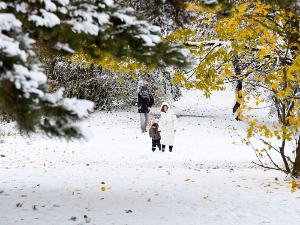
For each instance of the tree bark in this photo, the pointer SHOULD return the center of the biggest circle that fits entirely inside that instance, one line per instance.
(296, 168)
(239, 85)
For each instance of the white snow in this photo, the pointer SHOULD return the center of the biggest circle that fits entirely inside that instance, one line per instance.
(28, 80)
(102, 18)
(205, 180)
(49, 5)
(150, 40)
(11, 47)
(129, 20)
(54, 97)
(109, 3)
(9, 22)
(63, 2)
(3, 5)
(48, 19)
(62, 10)
(77, 106)
(65, 46)
(85, 27)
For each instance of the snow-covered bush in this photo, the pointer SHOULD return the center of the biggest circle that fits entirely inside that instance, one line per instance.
(105, 88)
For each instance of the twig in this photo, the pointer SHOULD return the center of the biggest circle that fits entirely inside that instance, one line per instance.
(266, 167)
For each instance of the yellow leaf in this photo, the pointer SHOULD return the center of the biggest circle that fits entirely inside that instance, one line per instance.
(288, 89)
(103, 188)
(294, 184)
(134, 76)
(149, 200)
(204, 197)
(274, 86)
(240, 100)
(242, 7)
(187, 179)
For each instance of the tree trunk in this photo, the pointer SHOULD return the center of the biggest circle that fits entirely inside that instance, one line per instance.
(239, 85)
(238, 90)
(287, 168)
(284, 122)
(296, 168)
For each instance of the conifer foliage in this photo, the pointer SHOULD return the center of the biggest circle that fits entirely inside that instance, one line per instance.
(63, 27)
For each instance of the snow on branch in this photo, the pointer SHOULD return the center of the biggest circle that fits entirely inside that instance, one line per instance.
(65, 47)
(9, 22)
(48, 19)
(78, 107)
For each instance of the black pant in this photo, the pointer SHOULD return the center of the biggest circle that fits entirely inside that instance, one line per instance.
(154, 143)
(170, 147)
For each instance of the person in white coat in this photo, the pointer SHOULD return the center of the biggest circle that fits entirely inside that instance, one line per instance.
(168, 126)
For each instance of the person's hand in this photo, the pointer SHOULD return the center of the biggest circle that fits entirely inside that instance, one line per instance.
(174, 130)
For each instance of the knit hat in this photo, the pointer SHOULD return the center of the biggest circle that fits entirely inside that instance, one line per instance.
(153, 123)
(145, 86)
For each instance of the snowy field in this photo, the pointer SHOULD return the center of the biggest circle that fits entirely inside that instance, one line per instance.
(115, 178)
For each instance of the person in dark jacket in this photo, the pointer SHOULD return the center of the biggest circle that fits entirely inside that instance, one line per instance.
(145, 102)
(155, 135)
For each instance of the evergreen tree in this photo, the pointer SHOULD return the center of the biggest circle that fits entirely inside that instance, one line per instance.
(96, 27)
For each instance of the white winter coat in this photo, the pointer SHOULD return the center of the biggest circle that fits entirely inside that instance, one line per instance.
(168, 123)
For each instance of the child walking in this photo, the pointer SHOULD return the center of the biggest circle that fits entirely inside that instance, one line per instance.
(155, 135)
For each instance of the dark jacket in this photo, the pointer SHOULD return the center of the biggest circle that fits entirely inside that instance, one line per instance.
(154, 133)
(145, 102)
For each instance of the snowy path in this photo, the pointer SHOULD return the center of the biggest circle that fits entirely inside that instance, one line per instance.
(206, 180)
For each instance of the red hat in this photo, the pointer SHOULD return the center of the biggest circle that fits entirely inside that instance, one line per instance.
(145, 85)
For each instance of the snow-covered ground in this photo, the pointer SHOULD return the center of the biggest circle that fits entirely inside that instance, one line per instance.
(115, 178)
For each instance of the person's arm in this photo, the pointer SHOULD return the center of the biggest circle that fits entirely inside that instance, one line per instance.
(139, 99)
(158, 130)
(151, 101)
